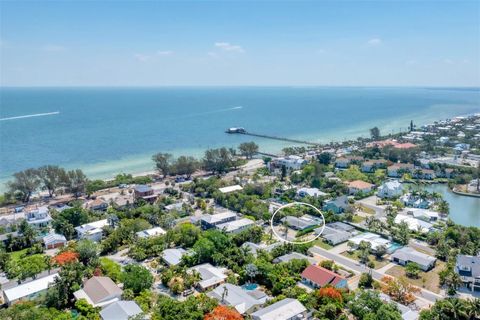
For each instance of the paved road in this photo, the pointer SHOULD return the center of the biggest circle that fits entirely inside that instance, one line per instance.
(359, 268)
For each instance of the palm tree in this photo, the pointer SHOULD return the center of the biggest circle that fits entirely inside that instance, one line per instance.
(224, 293)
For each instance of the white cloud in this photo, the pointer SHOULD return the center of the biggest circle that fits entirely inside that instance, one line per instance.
(227, 46)
(447, 61)
(141, 57)
(411, 62)
(53, 48)
(374, 42)
(164, 53)
(321, 51)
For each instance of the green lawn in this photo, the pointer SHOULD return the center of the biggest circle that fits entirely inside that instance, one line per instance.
(366, 209)
(358, 219)
(428, 280)
(378, 263)
(322, 244)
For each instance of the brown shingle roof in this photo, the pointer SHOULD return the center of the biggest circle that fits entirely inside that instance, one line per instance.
(99, 288)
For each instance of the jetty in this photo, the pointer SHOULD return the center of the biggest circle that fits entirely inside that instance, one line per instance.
(240, 130)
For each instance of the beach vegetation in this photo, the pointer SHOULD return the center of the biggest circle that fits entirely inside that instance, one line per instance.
(248, 149)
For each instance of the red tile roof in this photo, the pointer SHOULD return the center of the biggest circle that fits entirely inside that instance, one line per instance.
(359, 184)
(321, 276)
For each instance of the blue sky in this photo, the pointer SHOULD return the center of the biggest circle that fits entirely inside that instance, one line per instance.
(329, 43)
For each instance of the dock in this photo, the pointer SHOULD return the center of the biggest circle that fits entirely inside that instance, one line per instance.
(245, 132)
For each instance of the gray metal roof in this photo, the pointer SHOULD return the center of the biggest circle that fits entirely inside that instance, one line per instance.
(473, 262)
(120, 310)
(409, 254)
(283, 309)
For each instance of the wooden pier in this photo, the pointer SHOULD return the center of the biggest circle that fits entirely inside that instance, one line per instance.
(274, 137)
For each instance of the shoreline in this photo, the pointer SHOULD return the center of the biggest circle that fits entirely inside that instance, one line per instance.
(141, 164)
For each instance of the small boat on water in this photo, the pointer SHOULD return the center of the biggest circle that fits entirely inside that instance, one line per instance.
(236, 130)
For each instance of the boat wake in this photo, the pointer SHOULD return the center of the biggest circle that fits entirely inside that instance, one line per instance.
(31, 116)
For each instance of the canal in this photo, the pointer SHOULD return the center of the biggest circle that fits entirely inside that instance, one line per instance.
(463, 210)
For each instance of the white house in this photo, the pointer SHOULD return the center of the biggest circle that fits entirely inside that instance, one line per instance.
(236, 226)
(244, 301)
(92, 230)
(413, 223)
(28, 290)
(38, 217)
(230, 189)
(286, 309)
(54, 240)
(291, 163)
(153, 232)
(211, 276)
(390, 189)
(211, 220)
(423, 214)
(311, 192)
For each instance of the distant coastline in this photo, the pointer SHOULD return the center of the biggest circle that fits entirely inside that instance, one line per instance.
(106, 132)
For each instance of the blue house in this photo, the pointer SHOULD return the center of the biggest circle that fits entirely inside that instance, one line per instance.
(337, 205)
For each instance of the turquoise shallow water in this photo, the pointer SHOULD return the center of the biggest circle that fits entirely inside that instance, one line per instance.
(109, 130)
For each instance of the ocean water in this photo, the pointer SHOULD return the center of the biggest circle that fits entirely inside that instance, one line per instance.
(105, 131)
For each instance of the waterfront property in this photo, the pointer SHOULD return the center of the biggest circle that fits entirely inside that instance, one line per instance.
(397, 170)
(422, 214)
(144, 192)
(290, 163)
(243, 300)
(92, 230)
(413, 223)
(38, 217)
(390, 189)
(468, 268)
(405, 255)
(317, 277)
(121, 310)
(286, 309)
(99, 292)
(97, 205)
(28, 290)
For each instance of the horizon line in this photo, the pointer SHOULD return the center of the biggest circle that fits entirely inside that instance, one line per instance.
(244, 85)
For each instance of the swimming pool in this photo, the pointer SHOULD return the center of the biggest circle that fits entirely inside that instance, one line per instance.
(394, 246)
(250, 286)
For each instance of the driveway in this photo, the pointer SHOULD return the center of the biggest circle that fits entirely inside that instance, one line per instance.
(371, 203)
(355, 266)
